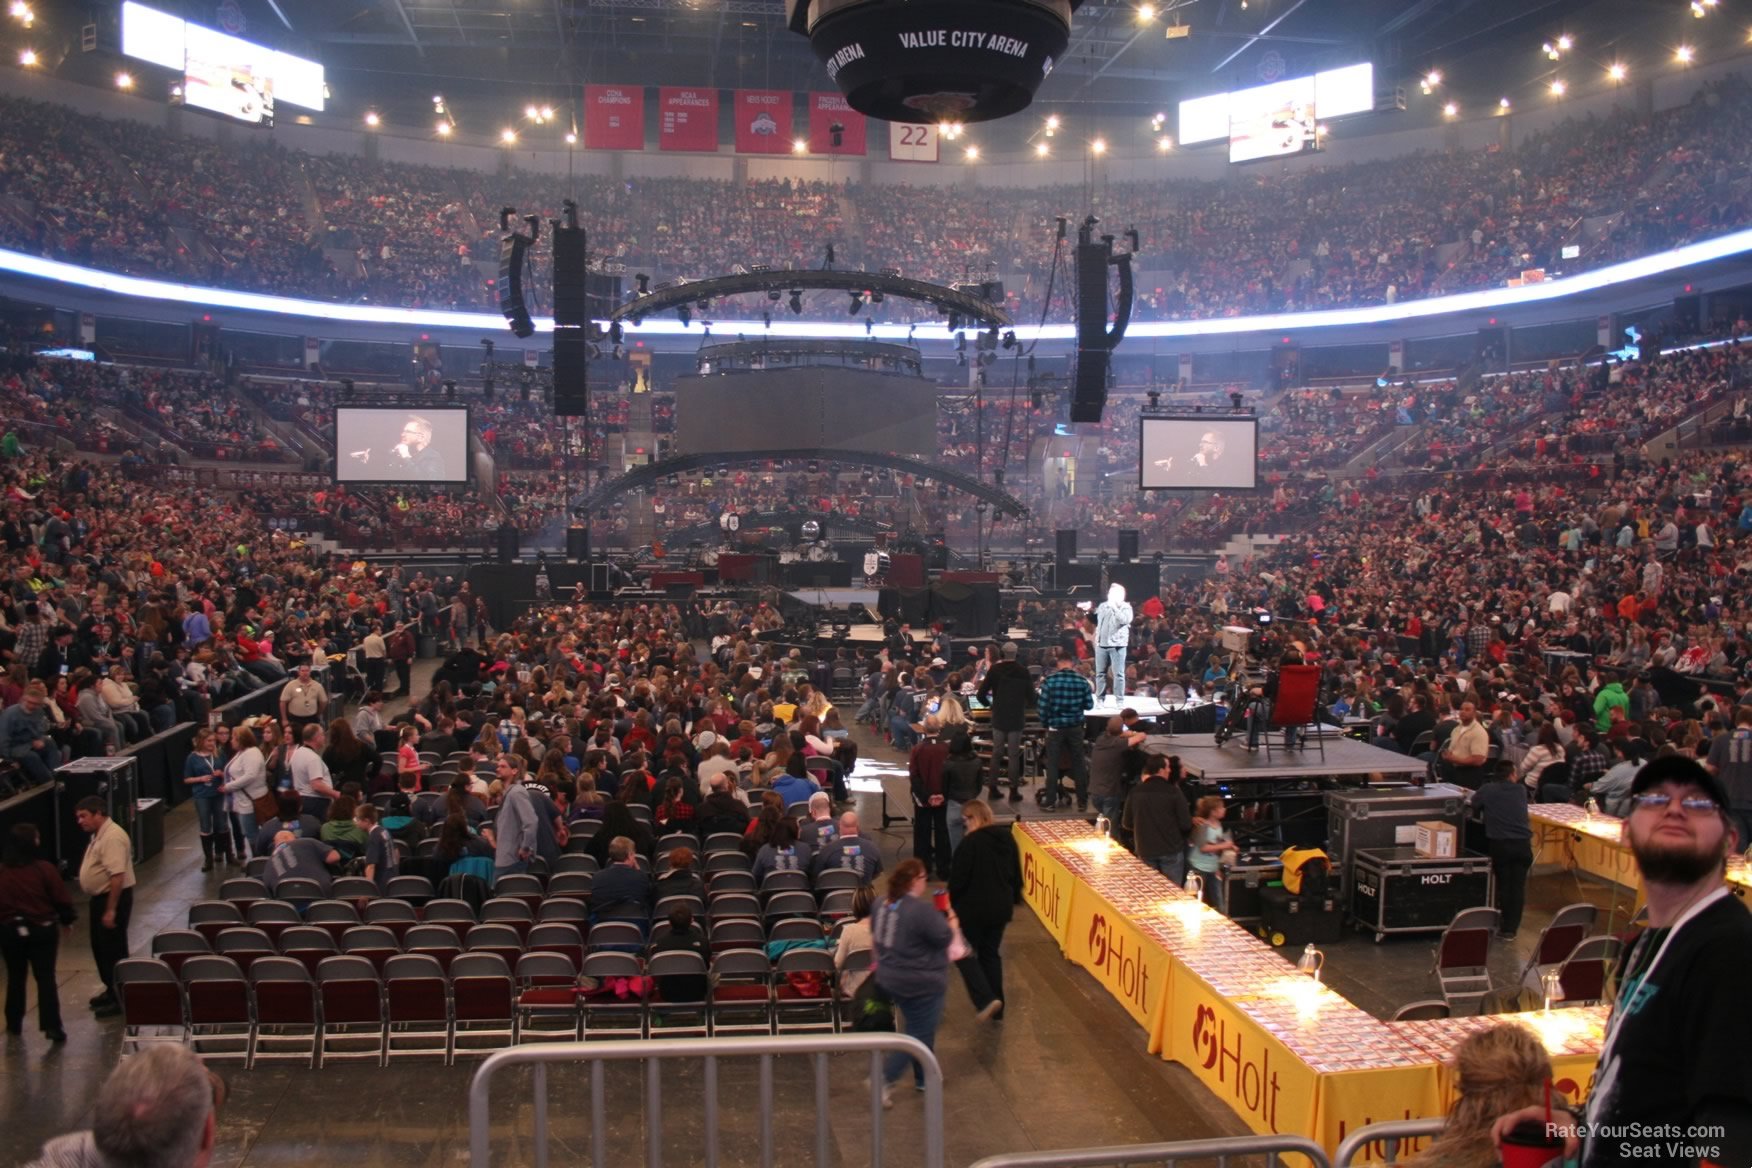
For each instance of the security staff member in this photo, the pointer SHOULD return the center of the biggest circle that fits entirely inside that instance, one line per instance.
(302, 702)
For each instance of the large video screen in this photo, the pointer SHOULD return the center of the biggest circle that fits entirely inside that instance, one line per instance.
(1272, 121)
(221, 74)
(1194, 452)
(393, 444)
(1335, 93)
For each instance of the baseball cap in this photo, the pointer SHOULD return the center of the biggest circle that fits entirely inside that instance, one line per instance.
(1679, 769)
(938, 662)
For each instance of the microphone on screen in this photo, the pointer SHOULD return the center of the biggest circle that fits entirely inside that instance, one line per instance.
(362, 455)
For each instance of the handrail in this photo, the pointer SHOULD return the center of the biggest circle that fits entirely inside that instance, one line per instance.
(653, 1051)
(1391, 1133)
(1219, 1149)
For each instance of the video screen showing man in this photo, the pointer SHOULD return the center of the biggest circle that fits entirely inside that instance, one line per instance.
(1197, 453)
(387, 445)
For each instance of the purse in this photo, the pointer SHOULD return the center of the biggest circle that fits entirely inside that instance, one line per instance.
(266, 807)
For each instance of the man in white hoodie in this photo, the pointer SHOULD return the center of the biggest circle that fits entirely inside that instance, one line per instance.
(1112, 636)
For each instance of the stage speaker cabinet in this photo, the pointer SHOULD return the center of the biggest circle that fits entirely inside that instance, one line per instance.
(571, 371)
(1089, 390)
(508, 540)
(578, 543)
(1065, 545)
(571, 301)
(511, 302)
(936, 552)
(1128, 545)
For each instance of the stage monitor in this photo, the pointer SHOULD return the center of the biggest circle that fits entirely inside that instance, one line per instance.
(396, 444)
(1212, 452)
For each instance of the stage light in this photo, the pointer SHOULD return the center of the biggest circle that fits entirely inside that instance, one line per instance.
(1052, 122)
(531, 112)
(1550, 51)
(796, 301)
(1041, 150)
(1503, 105)
(372, 120)
(27, 58)
(1164, 143)
(571, 138)
(1099, 146)
(1616, 71)
(1697, 9)
(508, 135)
(1557, 87)
(857, 305)
(800, 146)
(443, 129)
(20, 9)
(1564, 43)
(124, 81)
(1146, 13)
(1451, 110)
(1433, 78)
(1683, 54)
(972, 153)
(547, 113)
(685, 315)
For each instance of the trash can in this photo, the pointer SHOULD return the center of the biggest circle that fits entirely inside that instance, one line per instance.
(428, 645)
(148, 828)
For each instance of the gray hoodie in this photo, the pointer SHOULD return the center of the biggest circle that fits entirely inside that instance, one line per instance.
(1113, 624)
(912, 947)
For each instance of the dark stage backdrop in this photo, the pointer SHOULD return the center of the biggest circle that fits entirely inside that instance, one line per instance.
(826, 406)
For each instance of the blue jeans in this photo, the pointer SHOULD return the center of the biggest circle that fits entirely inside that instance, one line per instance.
(900, 726)
(1173, 867)
(1213, 889)
(956, 828)
(513, 869)
(919, 1017)
(209, 813)
(1110, 806)
(39, 764)
(1113, 655)
(243, 831)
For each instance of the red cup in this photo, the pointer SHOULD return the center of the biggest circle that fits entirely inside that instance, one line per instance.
(941, 900)
(1531, 1144)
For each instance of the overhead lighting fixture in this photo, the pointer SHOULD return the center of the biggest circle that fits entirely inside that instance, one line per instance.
(571, 138)
(443, 129)
(1164, 143)
(508, 135)
(1616, 71)
(1683, 54)
(1565, 44)
(547, 113)
(972, 153)
(1558, 87)
(1551, 51)
(531, 113)
(796, 301)
(21, 11)
(1503, 104)
(1451, 110)
(27, 58)
(1099, 146)
(800, 146)
(372, 120)
(1052, 121)
(1041, 150)
(1433, 78)
(124, 81)
(1146, 13)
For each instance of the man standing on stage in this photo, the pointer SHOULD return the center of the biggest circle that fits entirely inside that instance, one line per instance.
(1112, 637)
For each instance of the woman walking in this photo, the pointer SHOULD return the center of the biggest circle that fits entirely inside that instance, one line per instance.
(201, 772)
(33, 902)
(912, 965)
(985, 885)
(245, 786)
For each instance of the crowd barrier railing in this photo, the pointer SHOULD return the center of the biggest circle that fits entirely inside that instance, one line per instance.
(708, 1052)
(1221, 1151)
(1383, 1145)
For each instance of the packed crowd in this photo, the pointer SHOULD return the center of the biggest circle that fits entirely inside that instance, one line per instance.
(261, 218)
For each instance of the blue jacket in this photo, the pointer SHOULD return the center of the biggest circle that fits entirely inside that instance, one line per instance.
(19, 728)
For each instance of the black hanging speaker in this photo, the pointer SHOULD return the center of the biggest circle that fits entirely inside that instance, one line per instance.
(512, 247)
(508, 544)
(571, 370)
(1128, 545)
(1066, 546)
(571, 324)
(578, 543)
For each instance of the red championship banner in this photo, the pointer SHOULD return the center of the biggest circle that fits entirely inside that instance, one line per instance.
(614, 117)
(688, 119)
(763, 121)
(827, 110)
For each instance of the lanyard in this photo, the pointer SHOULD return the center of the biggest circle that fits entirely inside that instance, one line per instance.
(1616, 1023)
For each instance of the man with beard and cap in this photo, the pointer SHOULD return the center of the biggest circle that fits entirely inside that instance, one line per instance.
(1673, 1084)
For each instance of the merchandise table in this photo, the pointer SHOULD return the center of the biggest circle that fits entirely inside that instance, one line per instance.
(1595, 845)
(1284, 1052)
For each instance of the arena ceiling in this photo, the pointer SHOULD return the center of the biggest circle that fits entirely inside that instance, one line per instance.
(493, 58)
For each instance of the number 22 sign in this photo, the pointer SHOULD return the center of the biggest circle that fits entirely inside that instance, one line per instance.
(910, 143)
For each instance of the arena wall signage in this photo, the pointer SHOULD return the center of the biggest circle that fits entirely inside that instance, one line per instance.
(614, 117)
(763, 121)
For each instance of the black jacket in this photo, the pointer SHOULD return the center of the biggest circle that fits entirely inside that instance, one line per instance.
(961, 777)
(985, 876)
(1157, 816)
(1007, 688)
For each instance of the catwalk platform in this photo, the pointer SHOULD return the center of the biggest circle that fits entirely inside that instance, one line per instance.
(1232, 762)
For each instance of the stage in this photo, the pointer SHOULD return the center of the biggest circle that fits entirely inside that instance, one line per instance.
(1232, 762)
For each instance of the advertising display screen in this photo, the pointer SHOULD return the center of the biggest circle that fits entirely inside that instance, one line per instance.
(1199, 452)
(1272, 121)
(392, 444)
(1332, 93)
(222, 74)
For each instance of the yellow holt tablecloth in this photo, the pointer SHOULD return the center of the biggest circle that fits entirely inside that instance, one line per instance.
(1287, 1055)
(1594, 845)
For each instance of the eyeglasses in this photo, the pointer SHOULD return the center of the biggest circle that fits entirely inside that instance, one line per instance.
(1660, 801)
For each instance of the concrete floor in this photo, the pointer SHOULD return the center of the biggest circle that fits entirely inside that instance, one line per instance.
(1066, 1069)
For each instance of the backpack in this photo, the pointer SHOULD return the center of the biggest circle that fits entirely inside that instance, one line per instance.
(1307, 871)
(466, 883)
(405, 828)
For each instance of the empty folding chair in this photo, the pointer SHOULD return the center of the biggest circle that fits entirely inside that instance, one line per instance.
(732, 905)
(642, 814)
(337, 916)
(832, 879)
(449, 911)
(563, 910)
(244, 946)
(1462, 964)
(717, 862)
(803, 991)
(547, 998)
(806, 929)
(208, 917)
(557, 937)
(395, 915)
(299, 890)
(572, 885)
(256, 868)
(175, 946)
(669, 1014)
(353, 888)
(742, 992)
(416, 890)
(837, 904)
(518, 886)
(273, 917)
(780, 905)
(783, 880)
(505, 910)
(286, 1011)
(353, 1020)
(616, 1007)
(416, 1002)
(1584, 973)
(1430, 1011)
(483, 1004)
(722, 842)
(731, 880)
(500, 938)
(152, 1003)
(1569, 927)
(572, 862)
(625, 936)
(439, 942)
(737, 933)
(375, 943)
(220, 1021)
(309, 945)
(243, 891)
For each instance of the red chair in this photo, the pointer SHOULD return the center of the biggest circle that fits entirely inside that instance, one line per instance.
(286, 1011)
(352, 1010)
(617, 1006)
(548, 993)
(1463, 956)
(152, 1000)
(219, 1018)
(417, 1005)
(244, 946)
(438, 942)
(558, 937)
(803, 992)
(1295, 707)
(499, 937)
(1584, 972)
(376, 943)
(211, 917)
(742, 993)
(1569, 927)
(309, 945)
(175, 946)
(483, 1003)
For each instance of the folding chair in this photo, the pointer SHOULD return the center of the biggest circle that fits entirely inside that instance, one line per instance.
(642, 814)
(416, 1006)
(722, 842)
(505, 910)
(482, 1003)
(614, 1007)
(563, 910)
(783, 880)
(221, 1024)
(620, 936)
(1569, 927)
(736, 933)
(242, 891)
(557, 937)
(396, 915)
(299, 890)
(1430, 1011)
(517, 886)
(780, 905)
(797, 810)
(273, 917)
(245, 946)
(730, 905)
(797, 929)
(682, 1017)
(548, 993)
(1462, 959)
(352, 1010)
(1584, 973)
(286, 1012)
(837, 904)
(353, 888)
(497, 937)
(210, 917)
(717, 863)
(256, 867)
(832, 879)
(1298, 696)
(417, 890)
(337, 916)
(732, 880)
(858, 962)
(661, 910)
(803, 991)
(569, 865)
(375, 943)
(439, 942)
(677, 839)
(309, 945)
(742, 992)
(175, 946)
(152, 1001)
(449, 911)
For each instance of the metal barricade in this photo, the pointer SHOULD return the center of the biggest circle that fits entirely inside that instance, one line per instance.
(1222, 1152)
(708, 1052)
(1385, 1143)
